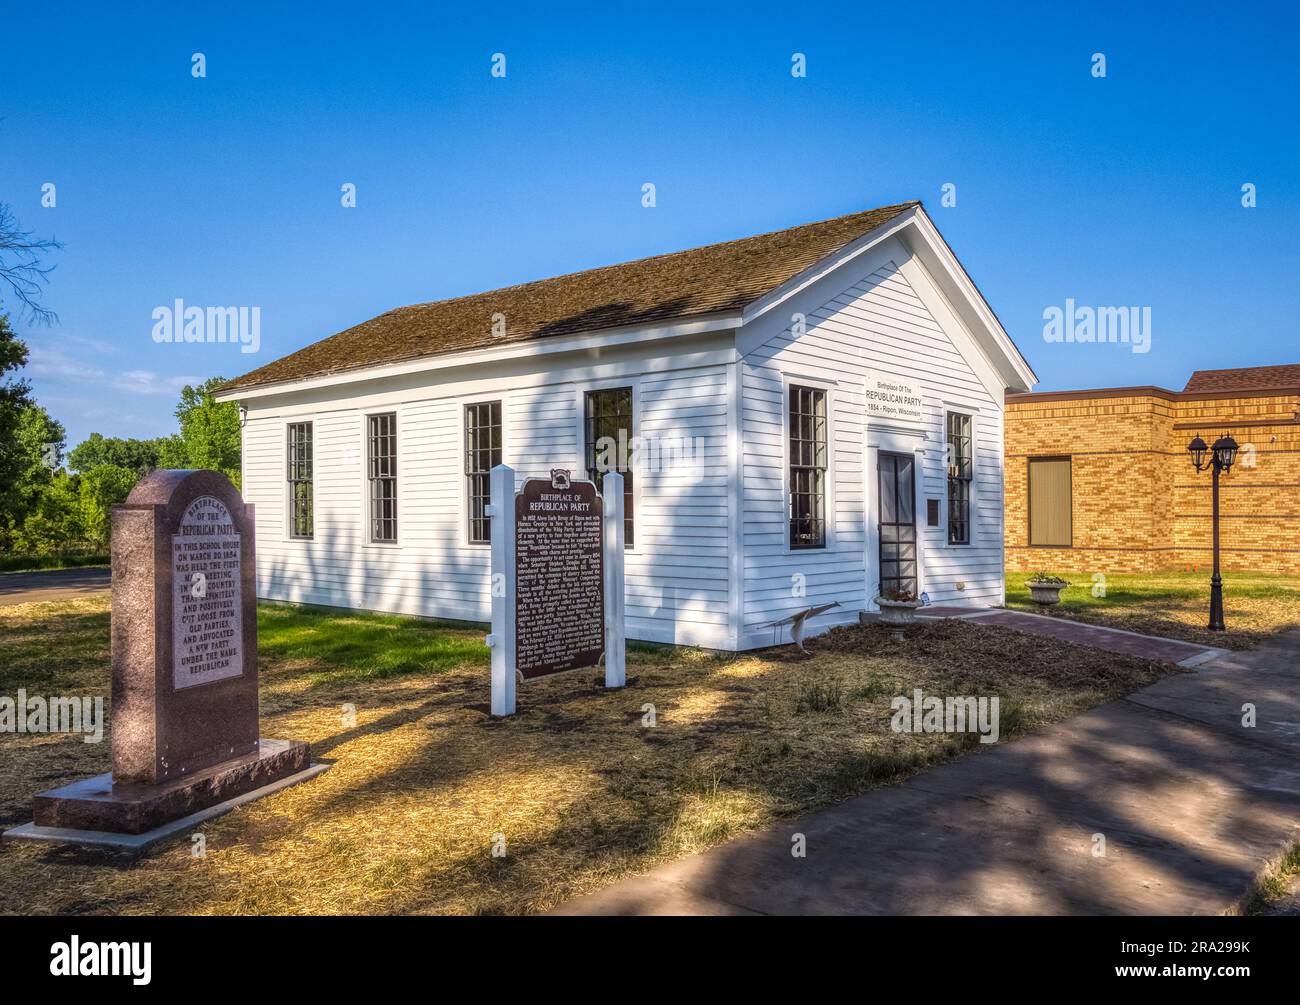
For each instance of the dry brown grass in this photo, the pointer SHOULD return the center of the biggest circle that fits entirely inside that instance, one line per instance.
(582, 791)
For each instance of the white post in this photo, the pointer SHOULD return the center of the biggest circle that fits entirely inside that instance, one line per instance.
(615, 666)
(502, 640)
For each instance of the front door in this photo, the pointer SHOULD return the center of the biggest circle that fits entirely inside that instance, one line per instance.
(897, 515)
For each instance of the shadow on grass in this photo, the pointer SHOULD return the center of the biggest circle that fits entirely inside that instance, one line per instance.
(584, 791)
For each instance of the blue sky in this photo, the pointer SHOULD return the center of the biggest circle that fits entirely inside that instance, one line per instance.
(1124, 190)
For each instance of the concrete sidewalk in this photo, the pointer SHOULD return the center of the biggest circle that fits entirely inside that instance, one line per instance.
(56, 584)
(1191, 805)
(1113, 640)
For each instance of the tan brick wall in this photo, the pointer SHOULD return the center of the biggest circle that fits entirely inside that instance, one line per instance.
(1138, 504)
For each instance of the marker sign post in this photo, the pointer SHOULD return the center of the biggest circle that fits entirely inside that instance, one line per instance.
(557, 580)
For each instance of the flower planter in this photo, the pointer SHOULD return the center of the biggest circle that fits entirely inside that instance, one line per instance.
(897, 614)
(1046, 594)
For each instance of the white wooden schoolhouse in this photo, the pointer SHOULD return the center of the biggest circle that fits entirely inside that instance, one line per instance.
(801, 417)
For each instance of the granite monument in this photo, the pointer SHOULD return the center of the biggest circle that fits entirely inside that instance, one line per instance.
(185, 729)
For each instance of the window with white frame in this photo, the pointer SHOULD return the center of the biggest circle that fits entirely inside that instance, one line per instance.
(301, 517)
(482, 454)
(961, 470)
(609, 443)
(381, 470)
(807, 435)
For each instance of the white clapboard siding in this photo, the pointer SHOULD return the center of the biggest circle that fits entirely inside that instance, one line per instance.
(710, 562)
(879, 323)
(676, 573)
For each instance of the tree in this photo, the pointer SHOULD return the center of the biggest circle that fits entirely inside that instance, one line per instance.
(97, 450)
(15, 396)
(21, 268)
(98, 491)
(171, 452)
(53, 526)
(37, 449)
(210, 435)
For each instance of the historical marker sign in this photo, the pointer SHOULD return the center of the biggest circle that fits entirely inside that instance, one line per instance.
(894, 399)
(559, 576)
(557, 580)
(207, 612)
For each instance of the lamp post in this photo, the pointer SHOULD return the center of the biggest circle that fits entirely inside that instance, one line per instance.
(1222, 454)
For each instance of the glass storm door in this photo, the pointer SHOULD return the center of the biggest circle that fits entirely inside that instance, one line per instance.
(897, 523)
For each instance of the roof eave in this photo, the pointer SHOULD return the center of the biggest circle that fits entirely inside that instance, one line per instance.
(550, 346)
(1011, 364)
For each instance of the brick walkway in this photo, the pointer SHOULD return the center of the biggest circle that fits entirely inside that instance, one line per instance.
(1113, 640)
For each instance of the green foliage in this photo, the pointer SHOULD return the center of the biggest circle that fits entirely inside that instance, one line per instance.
(209, 435)
(172, 452)
(36, 450)
(97, 450)
(54, 522)
(14, 398)
(73, 513)
(39, 563)
(816, 696)
(48, 511)
(101, 489)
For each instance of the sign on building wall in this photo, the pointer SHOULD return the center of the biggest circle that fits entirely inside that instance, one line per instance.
(557, 579)
(894, 399)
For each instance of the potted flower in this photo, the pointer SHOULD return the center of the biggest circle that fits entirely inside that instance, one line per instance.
(897, 610)
(1045, 590)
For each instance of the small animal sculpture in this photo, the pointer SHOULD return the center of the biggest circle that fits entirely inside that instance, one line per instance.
(798, 621)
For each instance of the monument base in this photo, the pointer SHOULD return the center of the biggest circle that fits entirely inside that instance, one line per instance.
(176, 828)
(96, 804)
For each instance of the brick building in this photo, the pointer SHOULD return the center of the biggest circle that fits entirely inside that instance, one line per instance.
(1100, 480)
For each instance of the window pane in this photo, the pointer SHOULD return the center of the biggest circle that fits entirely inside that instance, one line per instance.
(482, 454)
(609, 433)
(1050, 515)
(300, 479)
(382, 469)
(960, 472)
(807, 448)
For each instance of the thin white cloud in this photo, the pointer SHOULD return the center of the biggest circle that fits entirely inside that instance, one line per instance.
(148, 382)
(87, 343)
(54, 365)
(58, 367)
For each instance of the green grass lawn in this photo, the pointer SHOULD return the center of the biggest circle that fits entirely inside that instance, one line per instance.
(1174, 604)
(343, 645)
(581, 785)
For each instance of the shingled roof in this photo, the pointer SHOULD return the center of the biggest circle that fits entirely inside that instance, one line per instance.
(685, 284)
(1247, 378)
